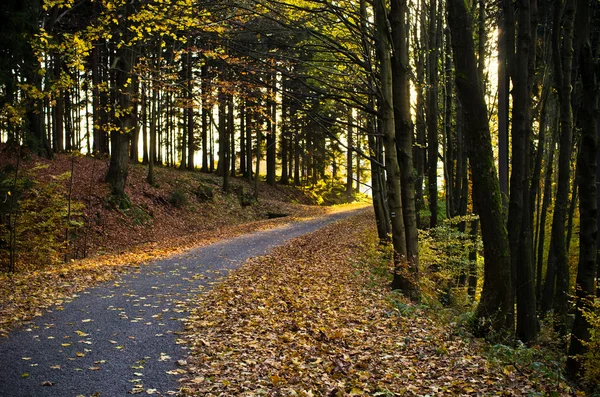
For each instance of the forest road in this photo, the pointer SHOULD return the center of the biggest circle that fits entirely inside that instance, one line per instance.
(121, 337)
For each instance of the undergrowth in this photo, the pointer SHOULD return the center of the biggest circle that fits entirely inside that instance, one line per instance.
(38, 218)
(445, 265)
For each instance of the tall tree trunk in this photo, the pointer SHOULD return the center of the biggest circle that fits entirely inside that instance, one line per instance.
(145, 155)
(493, 307)
(448, 141)
(205, 118)
(242, 115)
(223, 164)
(563, 63)
(588, 205)
(503, 106)
(547, 292)
(519, 213)
(153, 127)
(404, 143)
(135, 133)
(382, 221)
(271, 129)
(119, 158)
(283, 136)
(231, 132)
(420, 151)
(250, 125)
(349, 171)
(189, 113)
(432, 115)
(402, 277)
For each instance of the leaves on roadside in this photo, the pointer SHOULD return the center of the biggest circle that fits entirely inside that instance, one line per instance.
(315, 318)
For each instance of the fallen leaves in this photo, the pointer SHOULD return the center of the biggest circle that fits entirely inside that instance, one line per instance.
(313, 319)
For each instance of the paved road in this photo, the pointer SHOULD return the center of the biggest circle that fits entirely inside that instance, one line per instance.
(122, 336)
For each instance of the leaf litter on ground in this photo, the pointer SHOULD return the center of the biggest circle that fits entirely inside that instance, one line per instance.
(313, 319)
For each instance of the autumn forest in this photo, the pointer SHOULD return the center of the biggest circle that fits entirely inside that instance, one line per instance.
(452, 145)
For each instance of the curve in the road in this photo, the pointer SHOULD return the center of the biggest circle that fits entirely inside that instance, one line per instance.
(121, 337)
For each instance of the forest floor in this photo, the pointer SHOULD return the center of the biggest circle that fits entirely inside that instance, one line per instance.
(181, 210)
(316, 317)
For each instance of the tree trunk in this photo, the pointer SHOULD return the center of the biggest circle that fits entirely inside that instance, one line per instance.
(119, 158)
(135, 133)
(205, 118)
(519, 212)
(404, 142)
(349, 171)
(420, 151)
(588, 207)
(153, 127)
(402, 277)
(145, 155)
(189, 114)
(432, 115)
(546, 293)
(250, 125)
(563, 63)
(493, 307)
(271, 128)
(231, 133)
(503, 106)
(472, 279)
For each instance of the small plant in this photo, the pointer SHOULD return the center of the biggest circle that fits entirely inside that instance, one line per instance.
(204, 193)
(591, 359)
(444, 255)
(178, 198)
(138, 215)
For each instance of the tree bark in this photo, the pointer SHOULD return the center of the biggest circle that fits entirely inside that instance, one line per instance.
(519, 212)
(420, 151)
(402, 277)
(349, 164)
(563, 63)
(432, 115)
(119, 139)
(271, 128)
(205, 118)
(404, 142)
(588, 208)
(493, 307)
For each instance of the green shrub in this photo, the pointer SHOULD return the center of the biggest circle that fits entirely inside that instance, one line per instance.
(445, 264)
(204, 193)
(591, 359)
(42, 219)
(178, 198)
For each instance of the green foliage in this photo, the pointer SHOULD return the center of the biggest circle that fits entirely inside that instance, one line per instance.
(204, 193)
(543, 362)
(591, 359)
(425, 214)
(42, 218)
(444, 255)
(246, 198)
(328, 192)
(139, 216)
(178, 198)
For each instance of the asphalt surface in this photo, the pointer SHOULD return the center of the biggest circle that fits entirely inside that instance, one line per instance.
(122, 337)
